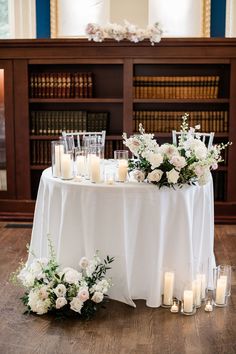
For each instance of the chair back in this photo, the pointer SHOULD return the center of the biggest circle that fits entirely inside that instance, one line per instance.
(83, 139)
(206, 138)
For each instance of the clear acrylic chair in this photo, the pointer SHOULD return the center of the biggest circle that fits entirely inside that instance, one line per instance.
(206, 138)
(83, 139)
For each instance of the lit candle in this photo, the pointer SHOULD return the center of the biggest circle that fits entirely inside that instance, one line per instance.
(188, 301)
(221, 291)
(174, 308)
(80, 161)
(197, 291)
(168, 288)
(95, 169)
(66, 166)
(59, 151)
(122, 170)
(208, 307)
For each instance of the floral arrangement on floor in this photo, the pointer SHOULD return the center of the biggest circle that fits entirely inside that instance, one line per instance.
(64, 292)
(128, 31)
(170, 165)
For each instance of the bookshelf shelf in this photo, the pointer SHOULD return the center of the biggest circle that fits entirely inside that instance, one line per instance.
(179, 101)
(118, 70)
(75, 100)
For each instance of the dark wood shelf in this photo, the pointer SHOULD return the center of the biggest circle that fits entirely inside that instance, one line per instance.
(39, 167)
(56, 137)
(75, 100)
(178, 100)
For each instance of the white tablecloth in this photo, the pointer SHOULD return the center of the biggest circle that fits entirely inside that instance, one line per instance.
(148, 230)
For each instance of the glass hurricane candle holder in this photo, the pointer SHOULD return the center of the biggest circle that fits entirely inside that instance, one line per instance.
(168, 289)
(95, 163)
(121, 156)
(57, 150)
(222, 285)
(80, 162)
(188, 307)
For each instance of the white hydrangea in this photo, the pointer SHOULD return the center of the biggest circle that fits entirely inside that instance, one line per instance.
(102, 286)
(36, 304)
(72, 276)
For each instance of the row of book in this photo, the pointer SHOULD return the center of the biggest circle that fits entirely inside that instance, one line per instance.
(219, 182)
(41, 151)
(54, 122)
(183, 87)
(61, 85)
(166, 121)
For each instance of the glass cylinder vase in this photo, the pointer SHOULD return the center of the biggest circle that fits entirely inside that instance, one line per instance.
(67, 162)
(188, 306)
(222, 285)
(168, 289)
(121, 156)
(57, 151)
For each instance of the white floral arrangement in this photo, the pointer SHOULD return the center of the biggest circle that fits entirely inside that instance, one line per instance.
(67, 291)
(170, 165)
(128, 31)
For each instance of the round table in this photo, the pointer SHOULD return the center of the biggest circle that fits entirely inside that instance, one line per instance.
(148, 230)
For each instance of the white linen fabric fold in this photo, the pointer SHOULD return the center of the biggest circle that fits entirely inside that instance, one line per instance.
(148, 230)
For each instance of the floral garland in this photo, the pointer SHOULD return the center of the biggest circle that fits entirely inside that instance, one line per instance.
(128, 31)
(64, 292)
(170, 165)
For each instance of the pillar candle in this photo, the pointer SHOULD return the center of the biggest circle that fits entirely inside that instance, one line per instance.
(59, 151)
(221, 291)
(122, 170)
(95, 169)
(188, 300)
(66, 166)
(168, 288)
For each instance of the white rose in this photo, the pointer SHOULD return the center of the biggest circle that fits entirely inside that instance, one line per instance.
(60, 290)
(83, 295)
(84, 262)
(97, 297)
(43, 292)
(138, 175)
(169, 150)
(155, 159)
(155, 176)
(178, 161)
(60, 302)
(172, 176)
(72, 276)
(76, 304)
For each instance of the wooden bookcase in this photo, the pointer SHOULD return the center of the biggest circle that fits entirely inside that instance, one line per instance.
(114, 67)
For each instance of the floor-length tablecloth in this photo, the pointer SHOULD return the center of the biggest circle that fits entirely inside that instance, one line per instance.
(148, 230)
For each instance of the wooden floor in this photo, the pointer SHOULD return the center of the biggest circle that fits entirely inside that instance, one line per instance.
(120, 328)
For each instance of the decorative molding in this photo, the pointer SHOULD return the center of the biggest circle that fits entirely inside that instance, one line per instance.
(53, 18)
(206, 18)
(230, 26)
